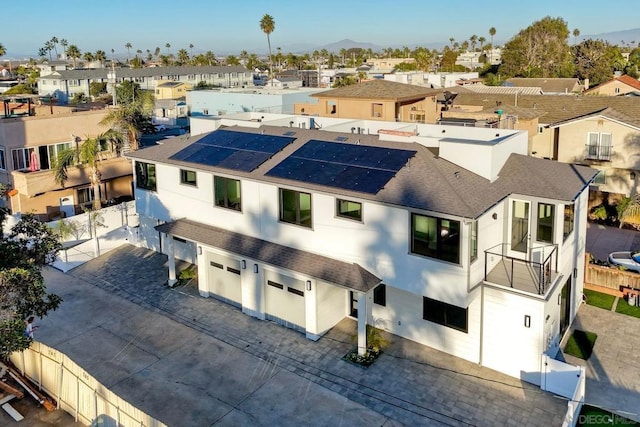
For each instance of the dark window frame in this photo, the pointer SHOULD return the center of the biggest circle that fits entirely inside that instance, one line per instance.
(568, 220)
(298, 220)
(344, 214)
(184, 177)
(442, 250)
(295, 291)
(473, 242)
(146, 178)
(543, 226)
(444, 314)
(380, 295)
(224, 201)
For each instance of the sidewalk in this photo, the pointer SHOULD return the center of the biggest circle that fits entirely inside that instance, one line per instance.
(188, 360)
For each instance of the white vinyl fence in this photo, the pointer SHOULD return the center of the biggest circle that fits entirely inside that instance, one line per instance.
(565, 380)
(77, 392)
(108, 219)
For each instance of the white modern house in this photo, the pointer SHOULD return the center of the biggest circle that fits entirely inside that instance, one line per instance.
(449, 236)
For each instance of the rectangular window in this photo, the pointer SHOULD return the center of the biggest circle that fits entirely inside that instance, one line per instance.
(188, 177)
(233, 270)
(349, 209)
(295, 291)
(22, 158)
(568, 220)
(601, 178)
(445, 314)
(598, 146)
(295, 207)
(275, 284)
(227, 193)
(3, 161)
(380, 295)
(376, 110)
(435, 237)
(473, 243)
(146, 176)
(85, 196)
(216, 265)
(545, 222)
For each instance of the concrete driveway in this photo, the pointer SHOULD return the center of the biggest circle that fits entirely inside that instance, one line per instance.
(188, 360)
(602, 240)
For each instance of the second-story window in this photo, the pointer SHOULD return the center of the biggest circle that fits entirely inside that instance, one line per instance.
(598, 146)
(188, 177)
(349, 209)
(435, 237)
(227, 193)
(545, 222)
(473, 242)
(295, 207)
(146, 176)
(568, 220)
(22, 157)
(3, 161)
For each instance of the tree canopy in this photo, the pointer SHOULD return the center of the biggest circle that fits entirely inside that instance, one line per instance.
(28, 247)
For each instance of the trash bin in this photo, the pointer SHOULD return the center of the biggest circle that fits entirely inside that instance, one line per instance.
(632, 299)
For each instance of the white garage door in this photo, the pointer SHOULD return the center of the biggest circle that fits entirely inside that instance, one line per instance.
(284, 300)
(224, 278)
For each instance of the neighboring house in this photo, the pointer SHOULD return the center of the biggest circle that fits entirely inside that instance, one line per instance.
(284, 82)
(263, 99)
(28, 150)
(452, 237)
(168, 89)
(376, 100)
(168, 111)
(622, 85)
(49, 67)
(65, 84)
(433, 80)
(386, 65)
(549, 85)
(607, 140)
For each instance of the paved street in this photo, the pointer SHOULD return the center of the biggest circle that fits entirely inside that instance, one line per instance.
(188, 360)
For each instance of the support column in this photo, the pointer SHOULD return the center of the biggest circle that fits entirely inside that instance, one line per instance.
(362, 324)
(172, 260)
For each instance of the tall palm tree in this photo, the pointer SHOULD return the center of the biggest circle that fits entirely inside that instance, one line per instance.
(183, 56)
(191, 50)
(451, 40)
(3, 51)
(64, 43)
(49, 47)
(473, 40)
(90, 153)
(576, 33)
(54, 41)
(131, 119)
(210, 57)
(492, 32)
(168, 46)
(267, 25)
(74, 53)
(128, 46)
(100, 55)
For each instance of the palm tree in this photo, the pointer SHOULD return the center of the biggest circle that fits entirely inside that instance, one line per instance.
(64, 43)
(191, 50)
(210, 57)
(576, 33)
(156, 52)
(481, 40)
(128, 46)
(74, 53)
(473, 40)
(451, 40)
(267, 25)
(492, 32)
(131, 119)
(54, 41)
(3, 51)
(183, 56)
(631, 212)
(88, 56)
(100, 55)
(90, 153)
(168, 46)
(49, 47)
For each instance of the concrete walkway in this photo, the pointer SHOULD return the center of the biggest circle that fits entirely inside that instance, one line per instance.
(188, 360)
(613, 370)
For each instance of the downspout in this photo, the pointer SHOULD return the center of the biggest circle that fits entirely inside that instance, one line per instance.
(480, 353)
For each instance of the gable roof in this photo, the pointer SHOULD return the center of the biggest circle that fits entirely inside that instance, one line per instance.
(625, 79)
(379, 89)
(608, 112)
(548, 85)
(427, 182)
(351, 276)
(555, 108)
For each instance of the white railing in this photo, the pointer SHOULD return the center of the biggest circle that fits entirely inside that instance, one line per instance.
(77, 392)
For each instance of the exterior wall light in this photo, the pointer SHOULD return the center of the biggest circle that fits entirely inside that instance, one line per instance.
(527, 321)
(255, 268)
(243, 263)
(308, 285)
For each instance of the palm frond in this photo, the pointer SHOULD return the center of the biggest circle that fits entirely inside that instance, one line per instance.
(63, 161)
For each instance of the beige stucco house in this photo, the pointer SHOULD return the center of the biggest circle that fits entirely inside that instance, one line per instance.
(615, 87)
(376, 100)
(28, 150)
(169, 89)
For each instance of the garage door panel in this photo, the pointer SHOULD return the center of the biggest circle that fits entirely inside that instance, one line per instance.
(224, 278)
(284, 300)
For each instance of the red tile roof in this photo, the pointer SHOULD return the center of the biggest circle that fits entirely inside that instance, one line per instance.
(631, 81)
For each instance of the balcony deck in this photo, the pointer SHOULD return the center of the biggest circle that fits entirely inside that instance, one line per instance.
(524, 277)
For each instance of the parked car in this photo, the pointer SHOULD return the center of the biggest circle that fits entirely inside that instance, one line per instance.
(627, 259)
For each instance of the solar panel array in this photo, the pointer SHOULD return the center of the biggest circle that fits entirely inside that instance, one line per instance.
(352, 167)
(238, 151)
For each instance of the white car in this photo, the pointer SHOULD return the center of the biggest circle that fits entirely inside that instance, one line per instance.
(627, 259)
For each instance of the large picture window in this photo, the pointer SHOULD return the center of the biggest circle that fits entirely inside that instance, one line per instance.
(146, 176)
(227, 193)
(295, 207)
(545, 222)
(435, 237)
(445, 314)
(349, 209)
(568, 220)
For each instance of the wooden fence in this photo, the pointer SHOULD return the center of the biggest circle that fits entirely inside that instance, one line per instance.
(610, 277)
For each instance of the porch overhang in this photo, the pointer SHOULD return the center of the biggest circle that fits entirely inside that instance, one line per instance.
(350, 276)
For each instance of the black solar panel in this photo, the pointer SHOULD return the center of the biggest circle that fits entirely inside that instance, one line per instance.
(233, 150)
(352, 167)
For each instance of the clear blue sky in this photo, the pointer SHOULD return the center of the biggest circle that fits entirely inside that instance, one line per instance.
(224, 26)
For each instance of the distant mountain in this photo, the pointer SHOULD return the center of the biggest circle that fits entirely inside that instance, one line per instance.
(349, 44)
(625, 37)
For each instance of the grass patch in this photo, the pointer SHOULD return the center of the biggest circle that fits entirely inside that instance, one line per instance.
(593, 417)
(598, 299)
(623, 307)
(580, 344)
